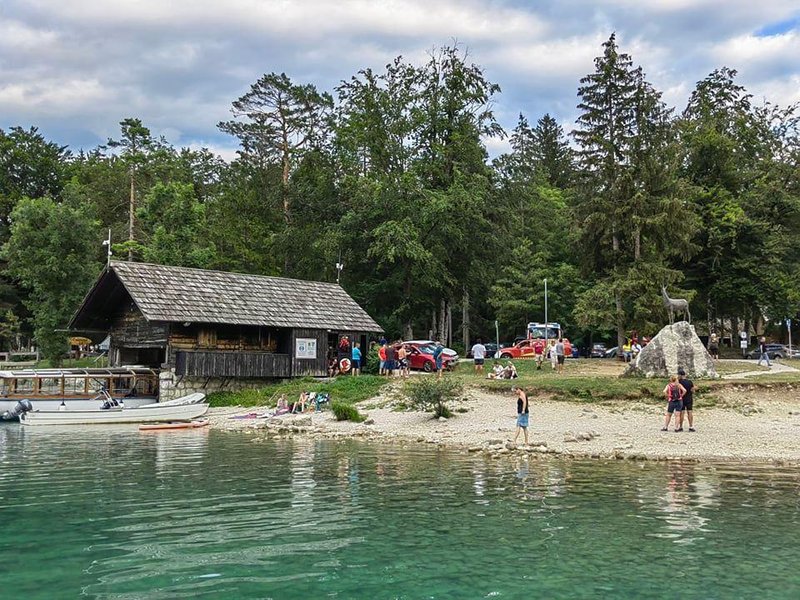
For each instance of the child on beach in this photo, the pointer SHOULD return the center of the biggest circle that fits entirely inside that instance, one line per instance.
(674, 393)
(522, 413)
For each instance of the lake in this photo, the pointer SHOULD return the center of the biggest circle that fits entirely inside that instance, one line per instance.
(115, 513)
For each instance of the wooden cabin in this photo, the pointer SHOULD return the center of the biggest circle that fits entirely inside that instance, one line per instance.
(214, 326)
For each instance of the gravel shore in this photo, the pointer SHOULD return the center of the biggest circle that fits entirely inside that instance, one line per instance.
(748, 428)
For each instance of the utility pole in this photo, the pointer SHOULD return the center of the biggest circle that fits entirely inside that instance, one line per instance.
(546, 328)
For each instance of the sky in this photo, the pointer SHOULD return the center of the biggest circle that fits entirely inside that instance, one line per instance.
(75, 68)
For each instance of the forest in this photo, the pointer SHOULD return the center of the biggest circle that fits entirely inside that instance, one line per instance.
(388, 175)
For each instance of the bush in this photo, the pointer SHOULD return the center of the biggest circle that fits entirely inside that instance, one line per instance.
(432, 394)
(373, 363)
(346, 412)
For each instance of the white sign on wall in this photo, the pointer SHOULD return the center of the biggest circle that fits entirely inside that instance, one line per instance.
(305, 348)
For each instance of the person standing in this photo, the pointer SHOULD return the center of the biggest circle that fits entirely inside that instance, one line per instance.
(402, 359)
(674, 394)
(391, 358)
(356, 360)
(539, 350)
(437, 358)
(688, 399)
(382, 358)
(479, 355)
(763, 354)
(560, 355)
(522, 413)
(553, 356)
(713, 346)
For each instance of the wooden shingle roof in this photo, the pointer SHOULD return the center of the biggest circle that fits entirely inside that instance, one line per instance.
(181, 294)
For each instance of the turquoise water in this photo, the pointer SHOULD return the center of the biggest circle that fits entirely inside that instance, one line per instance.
(114, 513)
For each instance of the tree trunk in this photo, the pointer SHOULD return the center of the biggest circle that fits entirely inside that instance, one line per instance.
(465, 318)
(449, 324)
(442, 322)
(620, 326)
(131, 214)
(637, 244)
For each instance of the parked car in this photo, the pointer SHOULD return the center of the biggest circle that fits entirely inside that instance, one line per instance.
(527, 349)
(491, 350)
(773, 351)
(420, 357)
(612, 352)
(446, 352)
(598, 351)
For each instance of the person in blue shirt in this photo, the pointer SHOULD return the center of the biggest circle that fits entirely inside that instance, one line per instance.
(356, 359)
(437, 356)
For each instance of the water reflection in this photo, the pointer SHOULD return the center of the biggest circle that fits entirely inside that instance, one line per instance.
(126, 515)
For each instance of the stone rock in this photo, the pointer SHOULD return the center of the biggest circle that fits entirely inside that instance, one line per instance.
(369, 421)
(570, 439)
(510, 445)
(442, 419)
(675, 346)
(584, 435)
(495, 442)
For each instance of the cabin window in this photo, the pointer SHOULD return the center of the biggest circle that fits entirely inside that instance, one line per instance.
(75, 386)
(50, 386)
(25, 386)
(207, 338)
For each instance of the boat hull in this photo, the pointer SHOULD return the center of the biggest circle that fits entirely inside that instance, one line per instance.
(93, 403)
(146, 414)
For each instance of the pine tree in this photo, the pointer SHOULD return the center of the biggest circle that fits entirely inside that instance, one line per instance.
(551, 154)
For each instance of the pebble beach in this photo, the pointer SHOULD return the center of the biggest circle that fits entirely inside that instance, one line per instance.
(759, 427)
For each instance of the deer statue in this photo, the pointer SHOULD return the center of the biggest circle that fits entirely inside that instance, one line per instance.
(675, 305)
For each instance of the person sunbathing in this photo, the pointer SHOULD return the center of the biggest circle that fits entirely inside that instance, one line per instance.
(496, 372)
(510, 372)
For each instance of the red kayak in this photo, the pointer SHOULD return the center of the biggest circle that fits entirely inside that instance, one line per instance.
(159, 426)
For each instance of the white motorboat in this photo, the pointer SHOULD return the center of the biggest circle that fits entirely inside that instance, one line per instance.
(75, 389)
(152, 413)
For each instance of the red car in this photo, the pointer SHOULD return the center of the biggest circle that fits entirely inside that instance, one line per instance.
(420, 356)
(527, 349)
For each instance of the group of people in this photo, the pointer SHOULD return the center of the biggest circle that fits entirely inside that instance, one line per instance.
(509, 371)
(631, 349)
(306, 401)
(679, 393)
(393, 359)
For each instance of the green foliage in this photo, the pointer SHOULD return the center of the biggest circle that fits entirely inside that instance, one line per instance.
(51, 252)
(433, 394)
(175, 222)
(346, 412)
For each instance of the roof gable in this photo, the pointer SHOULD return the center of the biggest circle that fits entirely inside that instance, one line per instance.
(181, 294)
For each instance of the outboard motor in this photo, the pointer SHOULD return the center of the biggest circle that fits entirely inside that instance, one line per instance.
(21, 408)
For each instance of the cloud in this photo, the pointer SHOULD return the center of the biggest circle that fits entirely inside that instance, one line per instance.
(77, 68)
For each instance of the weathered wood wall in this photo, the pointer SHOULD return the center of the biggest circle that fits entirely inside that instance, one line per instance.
(225, 338)
(312, 367)
(130, 330)
(214, 363)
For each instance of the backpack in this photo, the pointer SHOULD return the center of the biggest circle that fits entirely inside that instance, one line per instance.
(675, 393)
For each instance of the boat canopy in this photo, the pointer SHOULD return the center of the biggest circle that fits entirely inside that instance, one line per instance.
(76, 373)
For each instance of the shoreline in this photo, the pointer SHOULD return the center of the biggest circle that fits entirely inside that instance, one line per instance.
(745, 429)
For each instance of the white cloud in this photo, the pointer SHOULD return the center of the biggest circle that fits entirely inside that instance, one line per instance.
(77, 68)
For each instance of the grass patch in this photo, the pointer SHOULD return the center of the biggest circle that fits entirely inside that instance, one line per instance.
(736, 366)
(348, 390)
